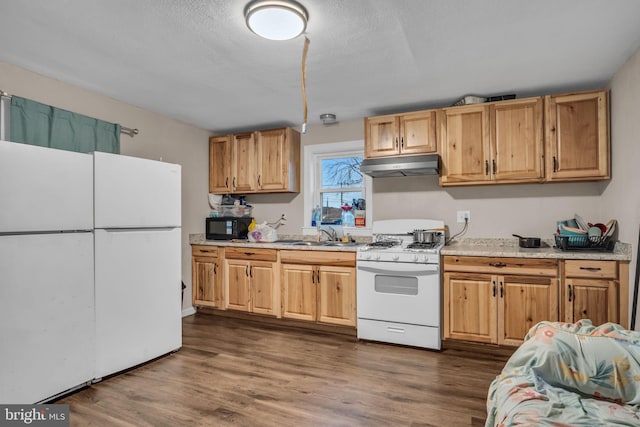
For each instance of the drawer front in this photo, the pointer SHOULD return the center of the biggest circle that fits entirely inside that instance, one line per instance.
(251, 254)
(344, 259)
(491, 265)
(204, 250)
(591, 268)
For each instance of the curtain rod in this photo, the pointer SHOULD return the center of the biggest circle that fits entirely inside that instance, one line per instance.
(128, 131)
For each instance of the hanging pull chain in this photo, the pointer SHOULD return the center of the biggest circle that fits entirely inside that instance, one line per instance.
(304, 83)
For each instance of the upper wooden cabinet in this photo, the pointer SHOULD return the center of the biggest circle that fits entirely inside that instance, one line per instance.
(220, 148)
(577, 136)
(278, 160)
(391, 135)
(255, 162)
(243, 164)
(499, 142)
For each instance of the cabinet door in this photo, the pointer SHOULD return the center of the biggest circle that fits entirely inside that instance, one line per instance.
(220, 164)
(577, 136)
(516, 139)
(523, 302)
(418, 132)
(381, 136)
(465, 145)
(207, 286)
(244, 163)
(337, 295)
(236, 278)
(264, 295)
(299, 299)
(591, 299)
(272, 160)
(470, 311)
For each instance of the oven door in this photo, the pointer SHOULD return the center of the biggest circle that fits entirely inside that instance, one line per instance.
(399, 292)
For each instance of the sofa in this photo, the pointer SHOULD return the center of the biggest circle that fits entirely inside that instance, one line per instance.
(569, 374)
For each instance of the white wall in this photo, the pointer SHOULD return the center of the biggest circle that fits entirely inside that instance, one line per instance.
(160, 137)
(622, 196)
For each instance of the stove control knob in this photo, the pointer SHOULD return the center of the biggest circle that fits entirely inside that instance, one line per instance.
(377, 257)
(415, 257)
(367, 256)
(396, 257)
(425, 258)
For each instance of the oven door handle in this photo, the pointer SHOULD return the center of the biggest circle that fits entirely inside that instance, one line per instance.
(390, 268)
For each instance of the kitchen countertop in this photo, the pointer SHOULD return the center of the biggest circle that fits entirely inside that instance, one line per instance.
(488, 247)
(509, 248)
(198, 239)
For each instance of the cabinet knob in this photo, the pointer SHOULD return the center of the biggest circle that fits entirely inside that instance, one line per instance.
(494, 166)
(486, 167)
(570, 293)
(259, 183)
(555, 164)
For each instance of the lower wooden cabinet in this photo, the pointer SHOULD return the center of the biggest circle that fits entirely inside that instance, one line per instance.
(250, 281)
(590, 291)
(206, 274)
(501, 302)
(315, 291)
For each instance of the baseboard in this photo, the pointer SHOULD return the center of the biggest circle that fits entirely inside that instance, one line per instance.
(188, 311)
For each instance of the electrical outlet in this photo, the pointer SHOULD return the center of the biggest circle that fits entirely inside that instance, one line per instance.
(462, 215)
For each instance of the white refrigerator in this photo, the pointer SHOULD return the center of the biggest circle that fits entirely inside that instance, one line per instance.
(137, 222)
(47, 327)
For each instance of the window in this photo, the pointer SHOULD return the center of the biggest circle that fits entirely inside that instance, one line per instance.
(333, 179)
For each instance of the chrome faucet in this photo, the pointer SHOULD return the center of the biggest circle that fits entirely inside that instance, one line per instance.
(333, 234)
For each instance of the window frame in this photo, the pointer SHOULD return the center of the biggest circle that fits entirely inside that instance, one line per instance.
(313, 155)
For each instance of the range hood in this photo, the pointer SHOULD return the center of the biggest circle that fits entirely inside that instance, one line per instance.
(424, 164)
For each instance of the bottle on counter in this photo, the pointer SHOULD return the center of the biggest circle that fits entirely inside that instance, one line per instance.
(316, 216)
(347, 216)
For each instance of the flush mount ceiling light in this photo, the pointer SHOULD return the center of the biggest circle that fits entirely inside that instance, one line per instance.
(276, 19)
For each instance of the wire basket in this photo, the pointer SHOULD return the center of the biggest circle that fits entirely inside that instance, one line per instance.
(585, 243)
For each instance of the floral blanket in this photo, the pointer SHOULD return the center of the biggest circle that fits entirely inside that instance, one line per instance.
(570, 374)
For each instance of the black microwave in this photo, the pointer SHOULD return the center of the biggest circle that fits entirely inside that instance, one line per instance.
(227, 228)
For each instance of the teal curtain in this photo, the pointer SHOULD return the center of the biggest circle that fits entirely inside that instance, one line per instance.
(39, 124)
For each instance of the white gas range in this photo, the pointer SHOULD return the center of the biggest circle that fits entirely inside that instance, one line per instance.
(398, 284)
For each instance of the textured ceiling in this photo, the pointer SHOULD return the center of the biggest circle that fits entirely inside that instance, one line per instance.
(196, 61)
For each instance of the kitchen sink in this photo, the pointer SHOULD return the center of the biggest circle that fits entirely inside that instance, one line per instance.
(301, 243)
(340, 244)
(323, 243)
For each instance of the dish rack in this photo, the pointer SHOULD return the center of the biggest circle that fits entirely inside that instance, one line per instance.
(585, 243)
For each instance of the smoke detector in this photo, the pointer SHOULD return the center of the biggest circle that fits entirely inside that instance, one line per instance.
(328, 118)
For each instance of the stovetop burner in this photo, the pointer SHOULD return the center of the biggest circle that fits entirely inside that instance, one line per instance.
(383, 244)
(423, 245)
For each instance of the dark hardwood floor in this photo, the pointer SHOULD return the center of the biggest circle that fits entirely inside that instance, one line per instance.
(233, 372)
